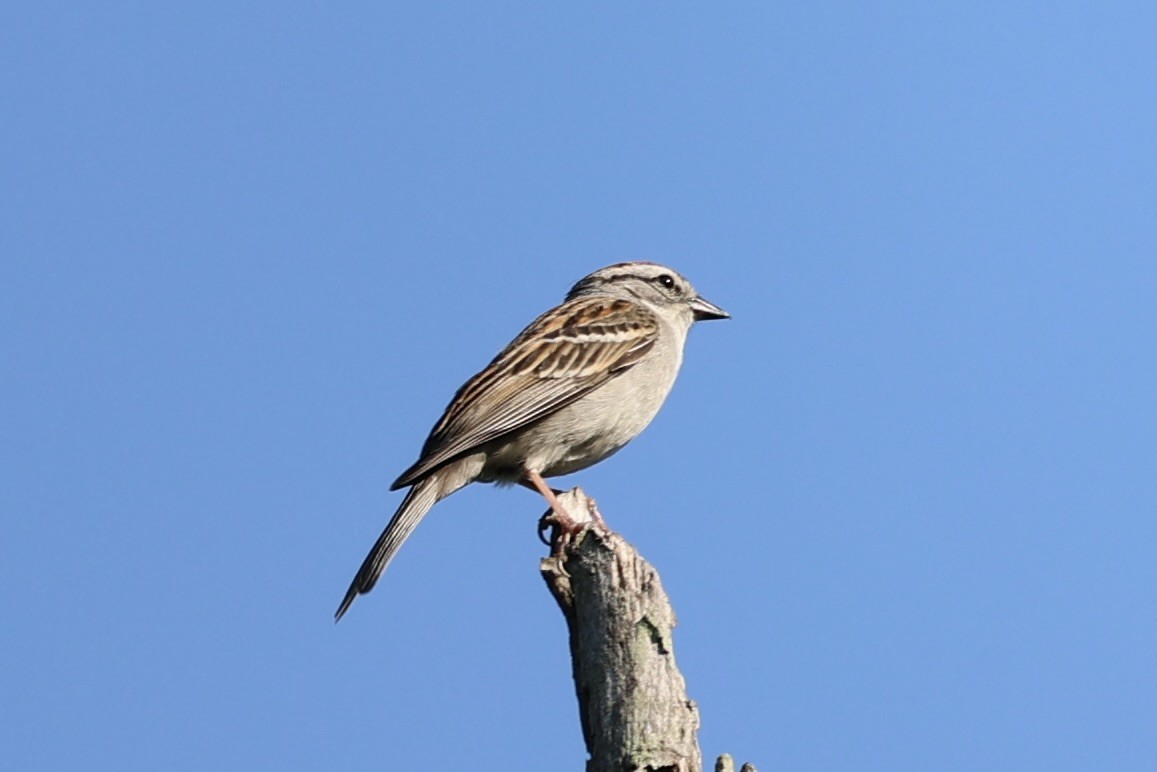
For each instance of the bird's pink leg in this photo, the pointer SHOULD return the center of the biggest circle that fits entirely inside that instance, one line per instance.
(561, 516)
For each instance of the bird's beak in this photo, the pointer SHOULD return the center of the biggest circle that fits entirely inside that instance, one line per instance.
(705, 309)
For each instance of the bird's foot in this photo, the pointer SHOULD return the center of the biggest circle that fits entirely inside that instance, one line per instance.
(564, 527)
(596, 515)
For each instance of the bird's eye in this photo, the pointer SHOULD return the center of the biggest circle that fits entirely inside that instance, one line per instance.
(667, 280)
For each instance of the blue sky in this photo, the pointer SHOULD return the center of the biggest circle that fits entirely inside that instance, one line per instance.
(903, 502)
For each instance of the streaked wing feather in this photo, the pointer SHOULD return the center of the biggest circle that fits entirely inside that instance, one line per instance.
(563, 355)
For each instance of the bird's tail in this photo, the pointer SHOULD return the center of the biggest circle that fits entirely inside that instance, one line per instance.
(414, 507)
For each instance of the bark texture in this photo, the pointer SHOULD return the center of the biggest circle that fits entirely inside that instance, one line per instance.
(632, 698)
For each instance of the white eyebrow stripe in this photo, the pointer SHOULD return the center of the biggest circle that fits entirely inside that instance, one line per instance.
(598, 337)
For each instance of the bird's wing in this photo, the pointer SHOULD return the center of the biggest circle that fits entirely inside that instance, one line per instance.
(564, 354)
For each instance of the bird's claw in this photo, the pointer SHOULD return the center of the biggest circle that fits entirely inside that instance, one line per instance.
(565, 528)
(544, 524)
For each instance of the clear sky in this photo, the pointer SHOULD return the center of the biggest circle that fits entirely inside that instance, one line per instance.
(904, 502)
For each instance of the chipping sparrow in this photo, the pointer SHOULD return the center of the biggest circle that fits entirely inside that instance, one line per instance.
(574, 387)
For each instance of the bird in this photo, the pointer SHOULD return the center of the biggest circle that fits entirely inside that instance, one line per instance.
(579, 383)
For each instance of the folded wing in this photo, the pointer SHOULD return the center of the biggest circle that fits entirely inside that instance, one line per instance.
(564, 354)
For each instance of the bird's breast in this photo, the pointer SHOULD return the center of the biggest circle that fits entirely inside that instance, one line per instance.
(598, 425)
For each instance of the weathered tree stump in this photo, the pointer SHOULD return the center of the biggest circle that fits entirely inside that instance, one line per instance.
(633, 701)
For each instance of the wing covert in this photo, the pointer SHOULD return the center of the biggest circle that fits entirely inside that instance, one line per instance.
(563, 355)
